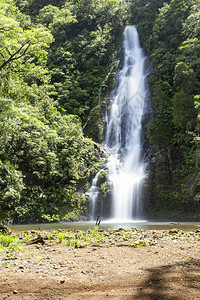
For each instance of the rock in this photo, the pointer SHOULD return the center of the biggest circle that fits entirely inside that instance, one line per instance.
(15, 292)
(119, 229)
(38, 240)
(106, 233)
(4, 229)
(62, 281)
(173, 231)
(83, 218)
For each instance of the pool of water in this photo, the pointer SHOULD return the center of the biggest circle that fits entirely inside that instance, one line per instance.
(111, 224)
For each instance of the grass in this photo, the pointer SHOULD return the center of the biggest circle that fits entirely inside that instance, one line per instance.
(9, 244)
(79, 238)
(7, 240)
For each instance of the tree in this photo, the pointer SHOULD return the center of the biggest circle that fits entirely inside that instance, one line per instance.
(18, 45)
(184, 78)
(183, 111)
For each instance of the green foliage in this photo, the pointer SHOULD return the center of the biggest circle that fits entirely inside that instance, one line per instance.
(80, 239)
(173, 132)
(83, 50)
(95, 124)
(19, 45)
(49, 156)
(183, 111)
(9, 240)
(11, 187)
(51, 218)
(43, 153)
(55, 18)
(184, 77)
(56, 62)
(54, 56)
(139, 244)
(143, 14)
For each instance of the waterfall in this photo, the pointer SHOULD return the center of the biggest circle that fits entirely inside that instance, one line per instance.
(124, 126)
(96, 201)
(93, 193)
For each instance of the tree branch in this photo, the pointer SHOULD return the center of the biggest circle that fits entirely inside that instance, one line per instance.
(8, 51)
(13, 56)
(2, 55)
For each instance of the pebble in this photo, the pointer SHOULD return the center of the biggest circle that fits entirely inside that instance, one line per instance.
(21, 267)
(62, 281)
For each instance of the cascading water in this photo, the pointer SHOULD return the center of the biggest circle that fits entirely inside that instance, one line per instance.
(123, 136)
(93, 194)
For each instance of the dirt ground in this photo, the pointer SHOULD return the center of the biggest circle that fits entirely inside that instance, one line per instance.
(165, 269)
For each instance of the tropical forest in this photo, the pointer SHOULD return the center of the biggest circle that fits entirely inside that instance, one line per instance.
(59, 63)
(99, 149)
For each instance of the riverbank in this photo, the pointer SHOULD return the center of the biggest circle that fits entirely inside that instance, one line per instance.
(102, 264)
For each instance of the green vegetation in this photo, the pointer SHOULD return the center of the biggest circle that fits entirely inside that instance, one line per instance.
(11, 244)
(73, 238)
(139, 243)
(8, 240)
(80, 239)
(54, 58)
(57, 64)
(171, 37)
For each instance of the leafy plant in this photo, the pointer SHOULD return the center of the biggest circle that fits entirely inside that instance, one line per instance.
(139, 244)
(7, 240)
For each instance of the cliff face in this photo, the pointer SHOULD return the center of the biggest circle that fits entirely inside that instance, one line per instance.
(174, 85)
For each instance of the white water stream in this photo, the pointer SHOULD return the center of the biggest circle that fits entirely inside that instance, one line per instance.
(93, 193)
(123, 136)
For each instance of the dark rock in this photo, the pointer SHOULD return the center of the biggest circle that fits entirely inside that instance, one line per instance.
(38, 240)
(4, 229)
(173, 231)
(62, 281)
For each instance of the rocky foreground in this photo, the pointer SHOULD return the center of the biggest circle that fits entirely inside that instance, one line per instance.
(101, 264)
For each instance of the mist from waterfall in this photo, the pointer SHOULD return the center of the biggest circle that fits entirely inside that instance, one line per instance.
(124, 127)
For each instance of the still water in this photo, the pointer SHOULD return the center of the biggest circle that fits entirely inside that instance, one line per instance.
(145, 225)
